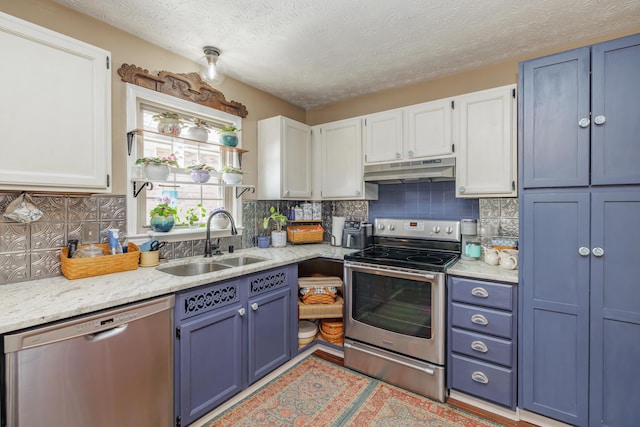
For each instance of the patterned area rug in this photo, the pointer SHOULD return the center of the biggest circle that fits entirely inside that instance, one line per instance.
(319, 393)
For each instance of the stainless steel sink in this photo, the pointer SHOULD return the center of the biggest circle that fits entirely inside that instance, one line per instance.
(194, 268)
(241, 260)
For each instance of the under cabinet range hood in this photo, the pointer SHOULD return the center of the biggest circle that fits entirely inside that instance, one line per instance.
(414, 171)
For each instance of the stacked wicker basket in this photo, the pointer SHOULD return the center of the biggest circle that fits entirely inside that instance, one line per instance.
(320, 299)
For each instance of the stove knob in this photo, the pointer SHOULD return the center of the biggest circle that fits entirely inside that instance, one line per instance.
(380, 226)
(392, 227)
(449, 230)
(436, 228)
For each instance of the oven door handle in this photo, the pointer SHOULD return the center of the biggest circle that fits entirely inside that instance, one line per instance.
(379, 270)
(428, 371)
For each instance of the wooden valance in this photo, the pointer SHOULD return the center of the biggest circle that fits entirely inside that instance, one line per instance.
(189, 87)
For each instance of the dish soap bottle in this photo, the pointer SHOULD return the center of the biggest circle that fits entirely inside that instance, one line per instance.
(114, 241)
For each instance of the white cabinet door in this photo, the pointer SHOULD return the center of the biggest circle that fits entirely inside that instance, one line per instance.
(342, 169)
(486, 154)
(284, 159)
(429, 129)
(55, 111)
(383, 137)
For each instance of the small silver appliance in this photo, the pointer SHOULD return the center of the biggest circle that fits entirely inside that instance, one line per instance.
(471, 249)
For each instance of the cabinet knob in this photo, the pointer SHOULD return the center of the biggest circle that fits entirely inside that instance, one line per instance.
(599, 120)
(480, 377)
(584, 122)
(241, 311)
(410, 153)
(480, 292)
(598, 252)
(357, 192)
(254, 306)
(479, 319)
(398, 155)
(287, 193)
(461, 189)
(479, 346)
(584, 251)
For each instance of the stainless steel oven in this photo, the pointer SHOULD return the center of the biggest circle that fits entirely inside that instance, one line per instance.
(395, 304)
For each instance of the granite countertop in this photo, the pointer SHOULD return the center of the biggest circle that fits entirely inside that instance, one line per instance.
(481, 270)
(37, 302)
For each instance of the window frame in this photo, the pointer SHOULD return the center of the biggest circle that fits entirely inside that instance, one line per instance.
(135, 96)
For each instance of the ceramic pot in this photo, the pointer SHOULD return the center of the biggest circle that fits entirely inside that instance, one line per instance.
(278, 239)
(219, 222)
(263, 242)
(162, 223)
(232, 178)
(171, 127)
(197, 133)
(200, 176)
(229, 138)
(157, 172)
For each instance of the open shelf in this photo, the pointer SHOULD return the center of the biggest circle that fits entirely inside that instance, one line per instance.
(135, 132)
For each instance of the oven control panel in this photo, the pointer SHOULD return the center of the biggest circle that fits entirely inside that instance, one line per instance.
(418, 228)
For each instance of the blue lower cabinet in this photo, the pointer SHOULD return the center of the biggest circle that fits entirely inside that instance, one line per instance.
(481, 344)
(230, 334)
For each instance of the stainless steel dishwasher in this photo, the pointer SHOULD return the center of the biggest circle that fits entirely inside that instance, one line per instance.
(110, 369)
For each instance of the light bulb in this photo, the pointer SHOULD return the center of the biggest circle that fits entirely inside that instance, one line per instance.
(211, 72)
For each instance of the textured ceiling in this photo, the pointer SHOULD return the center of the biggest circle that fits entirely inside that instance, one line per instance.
(317, 52)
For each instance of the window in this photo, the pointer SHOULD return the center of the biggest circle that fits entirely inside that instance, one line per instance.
(179, 189)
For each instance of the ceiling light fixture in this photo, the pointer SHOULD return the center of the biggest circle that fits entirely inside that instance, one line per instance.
(212, 72)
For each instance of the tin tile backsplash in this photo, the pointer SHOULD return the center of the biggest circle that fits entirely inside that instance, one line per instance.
(498, 217)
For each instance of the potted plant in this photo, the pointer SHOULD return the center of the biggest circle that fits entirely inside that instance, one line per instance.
(278, 236)
(157, 168)
(200, 173)
(231, 174)
(169, 123)
(195, 215)
(200, 129)
(163, 217)
(229, 135)
(219, 221)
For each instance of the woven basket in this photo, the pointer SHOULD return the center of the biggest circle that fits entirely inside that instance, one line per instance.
(319, 296)
(78, 268)
(305, 233)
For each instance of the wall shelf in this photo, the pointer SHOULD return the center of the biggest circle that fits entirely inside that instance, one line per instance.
(240, 189)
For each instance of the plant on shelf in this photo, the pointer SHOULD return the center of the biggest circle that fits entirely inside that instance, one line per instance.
(163, 216)
(200, 173)
(169, 123)
(219, 221)
(199, 167)
(232, 175)
(278, 236)
(199, 129)
(229, 135)
(157, 168)
(195, 215)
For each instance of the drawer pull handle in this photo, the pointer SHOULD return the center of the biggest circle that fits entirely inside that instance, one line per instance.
(479, 319)
(479, 346)
(480, 292)
(480, 377)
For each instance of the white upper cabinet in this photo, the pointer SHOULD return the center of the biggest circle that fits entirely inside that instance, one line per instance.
(486, 151)
(342, 162)
(429, 130)
(55, 111)
(284, 159)
(383, 137)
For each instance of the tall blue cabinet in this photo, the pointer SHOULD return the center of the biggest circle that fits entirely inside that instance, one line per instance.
(579, 136)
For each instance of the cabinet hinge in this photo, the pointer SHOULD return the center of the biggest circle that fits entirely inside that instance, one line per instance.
(513, 185)
(513, 93)
(177, 333)
(453, 105)
(453, 148)
(108, 180)
(107, 62)
(178, 421)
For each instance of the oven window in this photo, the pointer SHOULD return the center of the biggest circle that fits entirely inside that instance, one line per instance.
(391, 303)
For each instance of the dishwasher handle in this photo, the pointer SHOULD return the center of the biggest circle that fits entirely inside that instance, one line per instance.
(107, 334)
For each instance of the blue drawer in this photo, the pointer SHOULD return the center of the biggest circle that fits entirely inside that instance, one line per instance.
(486, 381)
(484, 320)
(483, 347)
(479, 292)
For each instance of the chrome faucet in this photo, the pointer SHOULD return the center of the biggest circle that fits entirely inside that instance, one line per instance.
(207, 243)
